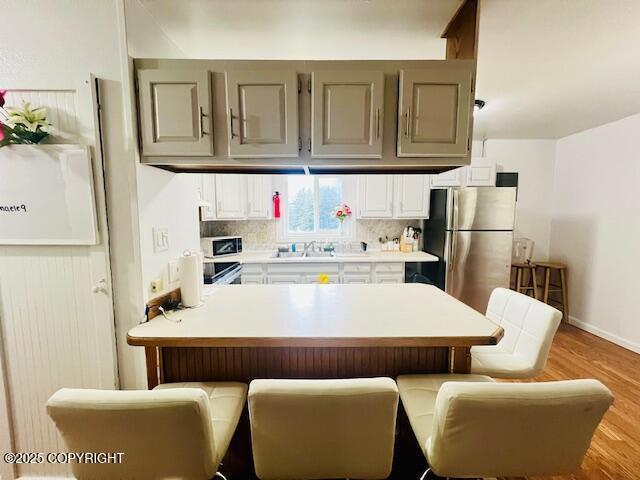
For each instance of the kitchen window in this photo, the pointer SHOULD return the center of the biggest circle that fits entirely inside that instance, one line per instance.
(309, 208)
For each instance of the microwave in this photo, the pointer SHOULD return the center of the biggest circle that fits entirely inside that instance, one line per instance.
(219, 246)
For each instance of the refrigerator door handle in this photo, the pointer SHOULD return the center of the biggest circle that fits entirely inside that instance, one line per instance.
(452, 250)
(456, 201)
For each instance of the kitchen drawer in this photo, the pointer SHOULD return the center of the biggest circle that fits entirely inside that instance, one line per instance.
(357, 268)
(355, 278)
(303, 268)
(283, 279)
(252, 268)
(385, 278)
(313, 278)
(252, 279)
(388, 267)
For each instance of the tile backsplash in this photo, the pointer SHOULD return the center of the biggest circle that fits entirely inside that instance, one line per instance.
(261, 234)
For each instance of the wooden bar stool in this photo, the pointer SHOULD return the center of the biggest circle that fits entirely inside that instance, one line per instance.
(557, 270)
(531, 286)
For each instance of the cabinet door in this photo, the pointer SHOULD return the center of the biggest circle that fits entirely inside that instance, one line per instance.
(481, 173)
(259, 196)
(411, 196)
(389, 279)
(346, 113)
(262, 111)
(175, 112)
(433, 112)
(231, 197)
(351, 279)
(285, 279)
(375, 196)
(208, 195)
(450, 178)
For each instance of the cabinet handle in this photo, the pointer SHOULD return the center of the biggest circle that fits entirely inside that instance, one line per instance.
(407, 114)
(202, 114)
(378, 123)
(231, 117)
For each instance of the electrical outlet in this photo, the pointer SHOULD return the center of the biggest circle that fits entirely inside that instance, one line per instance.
(160, 239)
(174, 274)
(156, 285)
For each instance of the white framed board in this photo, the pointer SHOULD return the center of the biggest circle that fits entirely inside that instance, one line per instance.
(47, 196)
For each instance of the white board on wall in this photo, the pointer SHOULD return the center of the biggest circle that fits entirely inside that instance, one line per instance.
(46, 195)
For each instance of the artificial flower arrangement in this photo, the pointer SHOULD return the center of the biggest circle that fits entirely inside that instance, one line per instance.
(342, 212)
(22, 125)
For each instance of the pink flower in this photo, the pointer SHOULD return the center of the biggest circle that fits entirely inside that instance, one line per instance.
(1, 131)
(339, 213)
(2, 94)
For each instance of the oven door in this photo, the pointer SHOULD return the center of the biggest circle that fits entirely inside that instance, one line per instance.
(227, 273)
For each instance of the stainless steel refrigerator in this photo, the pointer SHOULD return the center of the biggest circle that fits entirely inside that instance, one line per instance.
(470, 230)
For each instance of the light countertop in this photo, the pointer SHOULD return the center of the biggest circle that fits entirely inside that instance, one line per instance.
(371, 257)
(322, 315)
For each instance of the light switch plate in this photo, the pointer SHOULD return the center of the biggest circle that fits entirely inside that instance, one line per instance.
(174, 274)
(160, 239)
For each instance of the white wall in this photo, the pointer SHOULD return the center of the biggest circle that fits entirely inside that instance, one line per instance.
(596, 228)
(56, 45)
(167, 200)
(534, 161)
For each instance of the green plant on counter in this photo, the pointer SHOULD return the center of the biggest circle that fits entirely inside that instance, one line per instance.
(23, 125)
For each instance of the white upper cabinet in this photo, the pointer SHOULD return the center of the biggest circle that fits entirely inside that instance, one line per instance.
(346, 113)
(259, 196)
(175, 112)
(450, 178)
(375, 196)
(411, 196)
(208, 196)
(481, 173)
(231, 197)
(433, 112)
(262, 113)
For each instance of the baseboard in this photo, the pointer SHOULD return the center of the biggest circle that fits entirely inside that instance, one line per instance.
(634, 347)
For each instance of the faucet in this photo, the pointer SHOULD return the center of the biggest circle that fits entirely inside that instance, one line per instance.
(311, 245)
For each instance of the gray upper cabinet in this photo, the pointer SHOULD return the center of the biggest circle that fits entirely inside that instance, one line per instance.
(433, 112)
(346, 113)
(175, 112)
(262, 113)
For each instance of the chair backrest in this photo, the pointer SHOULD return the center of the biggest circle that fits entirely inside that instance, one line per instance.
(315, 429)
(162, 433)
(514, 429)
(529, 325)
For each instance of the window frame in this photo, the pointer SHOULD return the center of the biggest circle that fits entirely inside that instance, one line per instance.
(348, 196)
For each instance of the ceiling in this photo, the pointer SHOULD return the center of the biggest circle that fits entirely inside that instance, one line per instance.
(549, 68)
(546, 68)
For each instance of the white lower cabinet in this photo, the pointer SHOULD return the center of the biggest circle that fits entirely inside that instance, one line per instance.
(389, 273)
(284, 279)
(389, 279)
(252, 279)
(309, 273)
(355, 278)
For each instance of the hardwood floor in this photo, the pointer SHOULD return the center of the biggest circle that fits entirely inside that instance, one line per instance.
(615, 450)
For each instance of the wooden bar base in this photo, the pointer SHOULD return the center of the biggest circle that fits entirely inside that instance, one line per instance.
(243, 364)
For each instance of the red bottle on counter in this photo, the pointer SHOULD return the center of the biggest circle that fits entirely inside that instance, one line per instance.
(276, 205)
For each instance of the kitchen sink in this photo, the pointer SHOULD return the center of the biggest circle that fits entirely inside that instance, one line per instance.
(319, 254)
(288, 255)
(303, 255)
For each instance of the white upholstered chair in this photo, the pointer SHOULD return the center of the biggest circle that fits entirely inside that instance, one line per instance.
(174, 431)
(529, 327)
(322, 429)
(469, 426)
